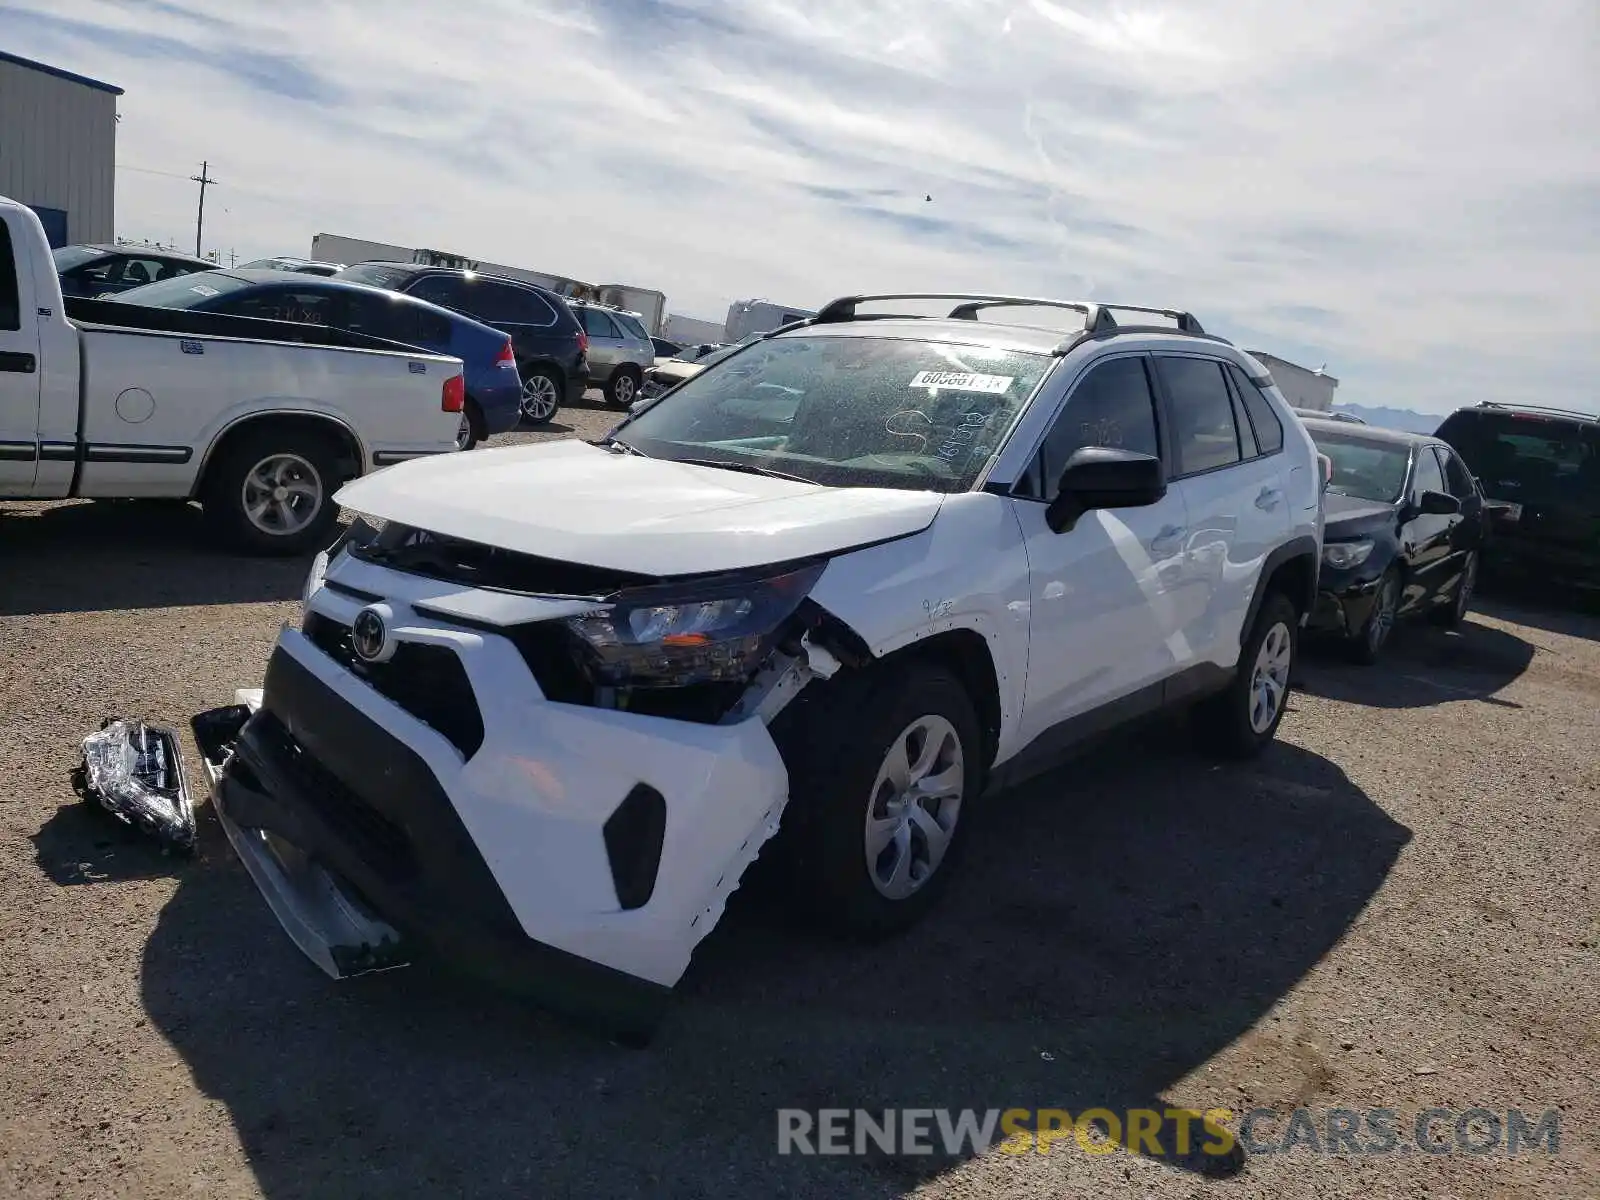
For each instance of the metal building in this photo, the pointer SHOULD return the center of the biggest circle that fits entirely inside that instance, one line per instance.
(58, 148)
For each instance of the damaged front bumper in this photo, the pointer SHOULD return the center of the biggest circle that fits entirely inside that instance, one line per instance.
(573, 854)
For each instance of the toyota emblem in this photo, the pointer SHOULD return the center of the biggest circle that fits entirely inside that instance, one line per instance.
(369, 634)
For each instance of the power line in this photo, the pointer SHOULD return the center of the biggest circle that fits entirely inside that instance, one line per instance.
(148, 171)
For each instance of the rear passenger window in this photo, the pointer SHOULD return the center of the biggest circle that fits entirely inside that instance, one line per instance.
(513, 305)
(597, 324)
(1455, 474)
(1204, 435)
(1268, 429)
(10, 296)
(1112, 406)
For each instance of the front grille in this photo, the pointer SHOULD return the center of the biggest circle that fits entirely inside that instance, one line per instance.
(429, 682)
(380, 842)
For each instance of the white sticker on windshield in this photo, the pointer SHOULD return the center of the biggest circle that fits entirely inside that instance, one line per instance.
(200, 289)
(963, 381)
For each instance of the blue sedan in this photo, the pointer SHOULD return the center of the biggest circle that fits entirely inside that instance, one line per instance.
(494, 391)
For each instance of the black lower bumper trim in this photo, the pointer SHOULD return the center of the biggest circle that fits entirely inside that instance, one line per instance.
(307, 758)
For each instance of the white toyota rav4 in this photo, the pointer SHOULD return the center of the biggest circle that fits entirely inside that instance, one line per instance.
(546, 706)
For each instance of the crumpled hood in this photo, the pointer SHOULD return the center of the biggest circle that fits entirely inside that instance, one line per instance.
(1348, 514)
(578, 503)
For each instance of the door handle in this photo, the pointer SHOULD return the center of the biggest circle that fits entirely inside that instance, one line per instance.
(1268, 498)
(18, 364)
(1167, 540)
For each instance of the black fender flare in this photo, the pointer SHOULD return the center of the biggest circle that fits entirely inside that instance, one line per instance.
(1304, 546)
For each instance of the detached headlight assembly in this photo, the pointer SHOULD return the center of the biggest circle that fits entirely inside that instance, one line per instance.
(1344, 555)
(675, 635)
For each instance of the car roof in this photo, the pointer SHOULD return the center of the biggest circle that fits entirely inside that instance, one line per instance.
(266, 275)
(1350, 430)
(1490, 408)
(147, 251)
(1025, 338)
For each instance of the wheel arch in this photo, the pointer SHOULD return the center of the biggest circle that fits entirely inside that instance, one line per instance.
(965, 653)
(1290, 570)
(353, 453)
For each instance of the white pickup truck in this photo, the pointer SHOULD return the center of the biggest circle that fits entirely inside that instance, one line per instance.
(261, 421)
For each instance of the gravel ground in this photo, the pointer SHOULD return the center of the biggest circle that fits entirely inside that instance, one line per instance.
(1398, 906)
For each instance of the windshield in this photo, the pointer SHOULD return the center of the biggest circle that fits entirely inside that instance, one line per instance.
(846, 411)
(375, 275)
(1365, 468)
(182, 291)
(68, 257)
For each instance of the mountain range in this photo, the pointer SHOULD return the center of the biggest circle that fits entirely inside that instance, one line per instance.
(1393, 418)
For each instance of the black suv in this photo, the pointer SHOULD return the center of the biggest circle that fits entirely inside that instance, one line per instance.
(551, 347)
(1540, 469)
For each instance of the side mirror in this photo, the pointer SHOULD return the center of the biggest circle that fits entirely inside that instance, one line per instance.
(1438, 504)
(1104, 477)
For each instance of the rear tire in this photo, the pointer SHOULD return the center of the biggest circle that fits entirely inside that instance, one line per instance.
(471, 431)
(1450, 616)
(541, 395)
(622, 389)
(1240, 720)
(270, 492)
(884, 768)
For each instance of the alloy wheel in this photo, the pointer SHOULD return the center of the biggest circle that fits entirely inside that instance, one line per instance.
(282, 494)
(914, 806)
(539, 397)
(1381, 623)
(1269, 678)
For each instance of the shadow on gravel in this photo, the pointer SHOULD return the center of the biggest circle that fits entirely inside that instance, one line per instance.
(84, 844)
(1116, 924)
(1421, 666)
(1574, 616)
(108, 555)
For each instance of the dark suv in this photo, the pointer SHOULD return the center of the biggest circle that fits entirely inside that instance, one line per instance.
(551, 346)
(1540, 469)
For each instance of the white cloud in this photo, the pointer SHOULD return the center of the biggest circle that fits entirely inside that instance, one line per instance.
(1410, 193)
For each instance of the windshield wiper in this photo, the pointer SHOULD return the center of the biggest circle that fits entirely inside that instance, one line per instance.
(619, 446)
(747, 467)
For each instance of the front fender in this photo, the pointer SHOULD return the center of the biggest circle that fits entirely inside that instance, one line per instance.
(967, 570)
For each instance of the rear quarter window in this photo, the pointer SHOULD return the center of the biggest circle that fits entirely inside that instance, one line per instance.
(10, 293)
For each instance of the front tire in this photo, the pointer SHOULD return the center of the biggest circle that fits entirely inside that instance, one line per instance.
(1239, 721)
(271, 492)
(1373, 636)
(883, 770)
(622, 389)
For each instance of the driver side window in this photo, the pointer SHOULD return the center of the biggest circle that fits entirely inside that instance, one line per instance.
(1111, 406)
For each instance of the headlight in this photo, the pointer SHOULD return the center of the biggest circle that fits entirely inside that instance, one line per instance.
(680, 634)
(1343, 555)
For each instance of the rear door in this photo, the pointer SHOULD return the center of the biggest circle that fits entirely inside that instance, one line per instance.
(1235, 497)
(20, 375)
(1427, 539)
(607, 347)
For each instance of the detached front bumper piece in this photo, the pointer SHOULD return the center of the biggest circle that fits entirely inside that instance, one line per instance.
(575, 857)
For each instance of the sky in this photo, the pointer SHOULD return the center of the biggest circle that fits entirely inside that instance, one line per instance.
(1408, 192)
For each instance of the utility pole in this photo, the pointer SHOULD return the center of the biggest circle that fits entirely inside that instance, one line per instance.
(204, 180)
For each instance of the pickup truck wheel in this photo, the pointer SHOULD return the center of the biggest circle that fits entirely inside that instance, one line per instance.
(272, 493)
(883, 768)
(1240, 720)
(541, 395)
(622, 389)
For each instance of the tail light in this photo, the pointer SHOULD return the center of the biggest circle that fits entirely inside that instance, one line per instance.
(454, 397)
(507, 357)
(583, 342)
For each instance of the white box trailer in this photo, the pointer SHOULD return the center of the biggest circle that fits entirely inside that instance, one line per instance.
(1301, 386)
(759, 316)
(688, 331)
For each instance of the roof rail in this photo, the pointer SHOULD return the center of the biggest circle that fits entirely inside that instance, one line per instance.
(1539, 408)
(1097, 317)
